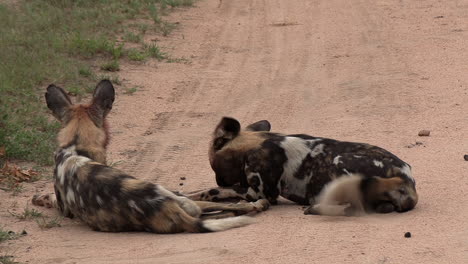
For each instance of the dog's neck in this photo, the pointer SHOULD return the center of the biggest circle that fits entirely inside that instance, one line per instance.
(62, 154)
(74, 149)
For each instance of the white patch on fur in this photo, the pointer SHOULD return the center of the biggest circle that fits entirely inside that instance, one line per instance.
(252, 193)
(188, 205)
(61, 173)
(99, 200)
(166, 193)
(72, 163)
(260, 187)
(133, 205)
(70, 195)
(296, 149)
(336, 160)
(407, 171)
(378, 163)
(227, 223)
(341, 191)
(312, 142)
(317, 150)
(81, 202)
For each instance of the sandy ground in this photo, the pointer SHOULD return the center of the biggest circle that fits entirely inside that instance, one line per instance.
(365, 70)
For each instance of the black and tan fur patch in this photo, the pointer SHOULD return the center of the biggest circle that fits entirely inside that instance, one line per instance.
(259, 164)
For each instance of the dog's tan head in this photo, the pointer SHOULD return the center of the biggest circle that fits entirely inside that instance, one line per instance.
(229, 146)
(83, 125)
(390, 194)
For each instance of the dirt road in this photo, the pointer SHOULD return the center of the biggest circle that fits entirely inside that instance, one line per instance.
(365, 70)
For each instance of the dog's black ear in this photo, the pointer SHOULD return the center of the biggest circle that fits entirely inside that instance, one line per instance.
(58, 101)
(103, 97)
(262, 125)
(228, 128)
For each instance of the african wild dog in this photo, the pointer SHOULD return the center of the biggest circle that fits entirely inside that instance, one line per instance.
(106, 198)
(255, 164)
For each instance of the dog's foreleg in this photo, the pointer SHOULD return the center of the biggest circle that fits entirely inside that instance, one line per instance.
(238, 208)
(327, 209)
(219, 194)
(46, 200)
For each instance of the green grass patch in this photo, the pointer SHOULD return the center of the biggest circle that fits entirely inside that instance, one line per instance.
(141, 27)
(132, 37)
(47, 223)
(27, 214)
(166, 28)
(6, 235)
(129, 91)
(9, 235)
(86, 72)
(136, 55)
(177, 3)
(111, 66)
(58, 41)
(5, 259)
(155, 52)
(179, 60)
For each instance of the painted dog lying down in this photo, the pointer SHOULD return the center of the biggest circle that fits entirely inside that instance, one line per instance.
(106, 198)
(255, 164)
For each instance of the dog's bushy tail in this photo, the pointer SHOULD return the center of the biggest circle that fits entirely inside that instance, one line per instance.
(215, 225)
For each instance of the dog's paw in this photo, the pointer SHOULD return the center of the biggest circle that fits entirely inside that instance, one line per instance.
(311, 210)
(46, 200)
(261, 205)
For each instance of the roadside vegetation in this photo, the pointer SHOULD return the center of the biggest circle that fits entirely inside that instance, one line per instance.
(72, 43)
(6, 235)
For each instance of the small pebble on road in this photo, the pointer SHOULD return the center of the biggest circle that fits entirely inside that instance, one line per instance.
(424, 133)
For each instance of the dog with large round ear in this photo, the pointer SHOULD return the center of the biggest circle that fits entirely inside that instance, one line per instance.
(58, 101)
(262, 125)
(228, 147)
(83, 124)
(103, 98)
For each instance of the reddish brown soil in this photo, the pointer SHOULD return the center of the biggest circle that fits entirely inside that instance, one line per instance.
(366, 70)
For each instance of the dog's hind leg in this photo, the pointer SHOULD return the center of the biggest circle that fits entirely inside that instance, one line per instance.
(217, 215)
(237, 208)
(172, 218)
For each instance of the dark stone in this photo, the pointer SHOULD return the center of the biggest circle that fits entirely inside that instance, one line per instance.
(408, 234)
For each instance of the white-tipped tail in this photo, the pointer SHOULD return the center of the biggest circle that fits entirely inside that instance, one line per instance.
(340, 194)
(215, 225)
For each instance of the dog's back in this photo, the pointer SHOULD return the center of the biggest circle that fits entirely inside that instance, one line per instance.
(299, 166)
